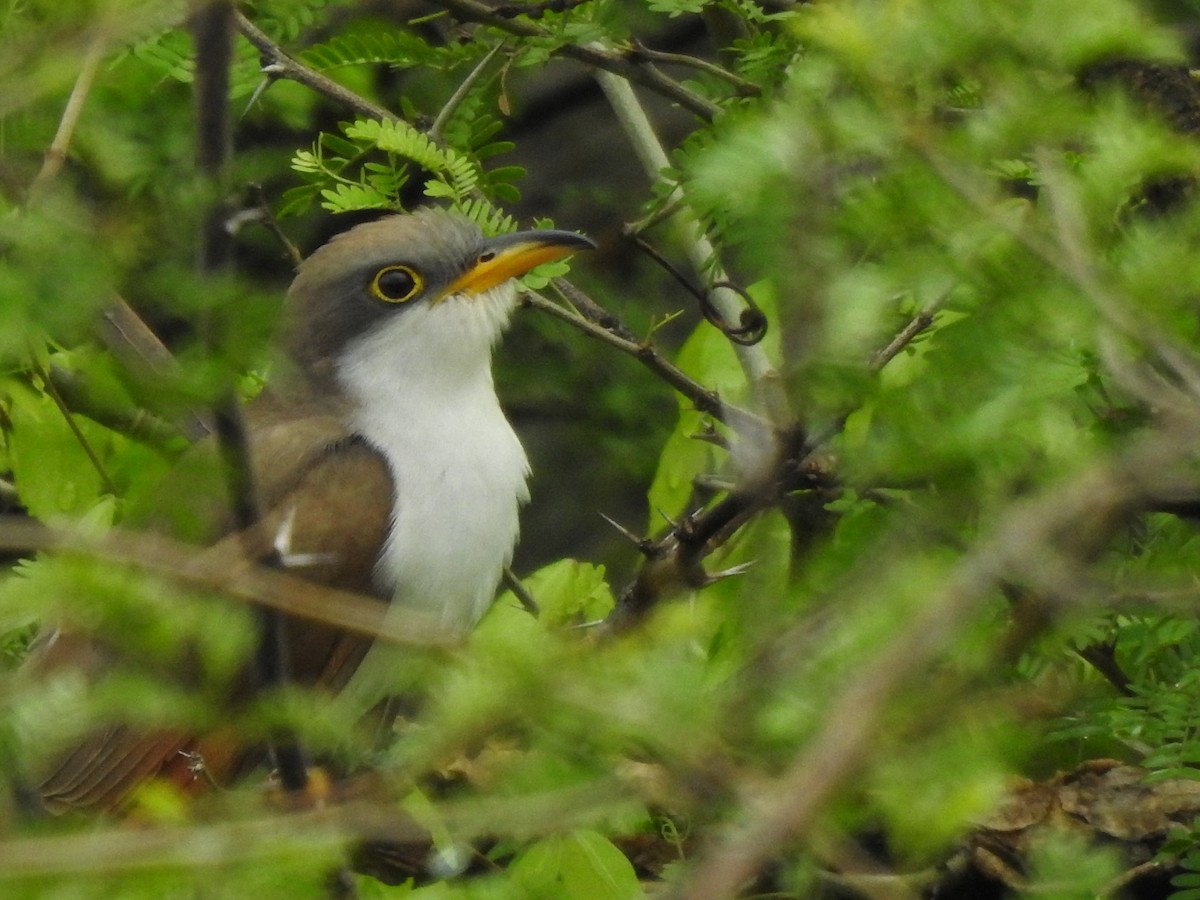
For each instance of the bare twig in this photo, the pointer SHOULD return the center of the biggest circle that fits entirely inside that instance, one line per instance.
(123, 330)
(56, 154)
(263, 216)
(593, 311)
(319, 832)
(916, 325)
(536, 10)
(592, 55)
(276, 63)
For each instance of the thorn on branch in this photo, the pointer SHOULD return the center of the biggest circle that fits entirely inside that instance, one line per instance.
(709, 435)
(645, 546)
(732, 572)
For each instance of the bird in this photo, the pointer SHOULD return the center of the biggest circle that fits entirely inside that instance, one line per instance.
(383, 462)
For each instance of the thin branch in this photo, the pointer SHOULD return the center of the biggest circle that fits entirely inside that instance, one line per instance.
(321, 832)
(133, 342)
(233, 575)
(526, 599)
(674, 563)
(662, 211)
(705, 400)
(460, 94)
(916, 325)
(741, 85)
(123, 330)
(591, 55)
(276, 63)
(261, 214)
(56, 154)
(593, 311)
(80, 437)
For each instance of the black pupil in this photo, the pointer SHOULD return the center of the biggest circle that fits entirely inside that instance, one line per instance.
(487, 256)
(395, 284)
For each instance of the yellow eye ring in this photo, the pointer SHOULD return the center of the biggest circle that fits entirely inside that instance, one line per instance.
(396, 284)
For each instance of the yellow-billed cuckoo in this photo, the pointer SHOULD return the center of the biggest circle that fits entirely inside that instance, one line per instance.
(383, 457)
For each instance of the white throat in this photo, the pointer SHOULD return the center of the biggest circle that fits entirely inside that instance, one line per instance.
(424, 398)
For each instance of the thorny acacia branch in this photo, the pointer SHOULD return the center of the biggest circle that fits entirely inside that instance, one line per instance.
(460, 94)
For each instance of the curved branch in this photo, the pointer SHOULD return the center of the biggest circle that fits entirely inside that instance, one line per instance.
(590, 55)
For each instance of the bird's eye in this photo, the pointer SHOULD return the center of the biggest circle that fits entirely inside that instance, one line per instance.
(487, 256)
(396, 284)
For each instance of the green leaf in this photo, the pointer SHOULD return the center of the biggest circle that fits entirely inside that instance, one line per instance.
(54, 474)
(569, 591)
(582, 865)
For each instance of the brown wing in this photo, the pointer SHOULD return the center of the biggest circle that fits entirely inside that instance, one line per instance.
(331, 494)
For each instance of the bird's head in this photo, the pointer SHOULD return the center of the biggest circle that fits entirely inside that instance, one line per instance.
(428, 282)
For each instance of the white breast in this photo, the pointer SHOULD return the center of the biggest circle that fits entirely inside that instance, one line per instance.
(426, 401)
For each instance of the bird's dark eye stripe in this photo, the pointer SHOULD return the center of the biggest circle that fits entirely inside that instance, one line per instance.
(396, 284)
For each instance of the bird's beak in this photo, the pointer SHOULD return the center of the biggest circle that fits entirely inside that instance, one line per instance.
(512, 255)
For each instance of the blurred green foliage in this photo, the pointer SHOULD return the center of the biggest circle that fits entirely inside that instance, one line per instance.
(951, 159)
